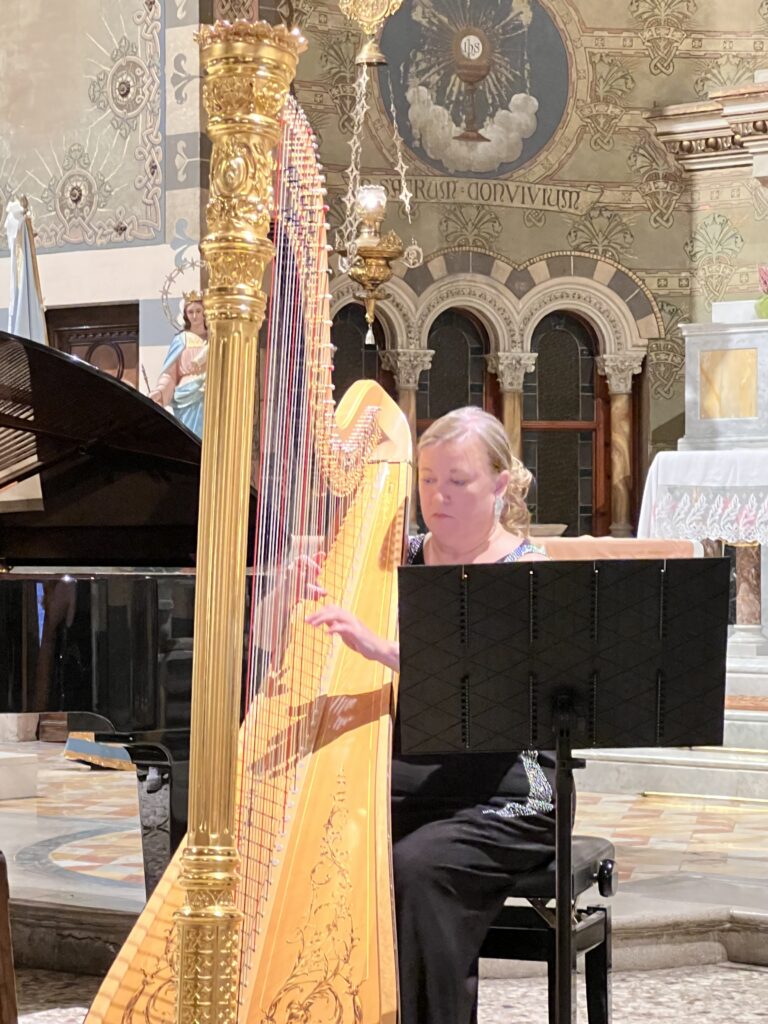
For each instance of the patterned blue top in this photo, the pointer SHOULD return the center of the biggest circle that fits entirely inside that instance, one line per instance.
(415, 555)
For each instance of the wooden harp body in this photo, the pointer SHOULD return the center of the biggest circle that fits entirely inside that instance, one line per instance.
(283, 914)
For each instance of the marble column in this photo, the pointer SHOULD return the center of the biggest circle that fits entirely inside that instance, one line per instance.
(748, 608)
(510, 368)
(619, 370)
(407, 365)
(747, 638)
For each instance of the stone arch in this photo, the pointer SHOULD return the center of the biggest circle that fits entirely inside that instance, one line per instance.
(456, 262)
(397, 312)
(615, 296)
(616, 328)
(624, 316)
(489, 301)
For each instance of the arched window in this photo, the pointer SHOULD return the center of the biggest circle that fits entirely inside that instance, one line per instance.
(457, 376)
(353, 359)
(565, 425)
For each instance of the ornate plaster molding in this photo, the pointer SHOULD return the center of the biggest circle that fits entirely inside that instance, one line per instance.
(493, 304)
(616, 328)
(407, 365)
(728, 129)
(511, 368)
(620, 369)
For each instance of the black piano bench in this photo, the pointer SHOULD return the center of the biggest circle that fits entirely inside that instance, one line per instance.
(528, 933)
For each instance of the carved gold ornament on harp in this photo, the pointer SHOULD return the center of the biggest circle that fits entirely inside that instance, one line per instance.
(247, 70)
(187, 954)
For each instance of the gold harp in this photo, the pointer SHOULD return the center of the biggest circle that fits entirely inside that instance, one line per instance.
(278, 906)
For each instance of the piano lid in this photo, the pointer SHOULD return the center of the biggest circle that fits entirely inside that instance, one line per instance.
(107, 476)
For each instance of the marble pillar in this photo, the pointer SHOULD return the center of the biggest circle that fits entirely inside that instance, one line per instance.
(510, 368)
(619, 370)
(747, 638)
(407, 365)
(748, 605)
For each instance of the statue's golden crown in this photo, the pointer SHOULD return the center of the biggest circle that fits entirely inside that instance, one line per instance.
(192, 296)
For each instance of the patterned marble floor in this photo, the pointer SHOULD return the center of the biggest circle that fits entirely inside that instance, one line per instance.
(657, 833)
(718, 994)
(78, 842)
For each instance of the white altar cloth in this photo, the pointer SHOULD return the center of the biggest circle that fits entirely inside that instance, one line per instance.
(700, 495)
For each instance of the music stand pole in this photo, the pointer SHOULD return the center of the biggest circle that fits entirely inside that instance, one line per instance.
(564, 790)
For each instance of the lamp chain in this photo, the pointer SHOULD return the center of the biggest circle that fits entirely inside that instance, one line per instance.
(401, 167)
(349, 228)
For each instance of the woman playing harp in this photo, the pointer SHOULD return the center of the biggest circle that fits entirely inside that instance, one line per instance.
(312, 798)
(463, 827)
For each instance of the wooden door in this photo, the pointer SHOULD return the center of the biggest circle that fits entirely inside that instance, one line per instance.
(105, 336)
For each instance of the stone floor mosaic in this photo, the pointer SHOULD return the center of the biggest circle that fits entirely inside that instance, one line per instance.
(655, 834)
(704, 995)
(78, 840)
(719, 994)
(114, 855)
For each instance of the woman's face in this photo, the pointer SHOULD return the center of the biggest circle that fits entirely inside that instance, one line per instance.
(457, 490)
(196, 316)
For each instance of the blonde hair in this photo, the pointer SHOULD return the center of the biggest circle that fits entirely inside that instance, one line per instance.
(472, 421)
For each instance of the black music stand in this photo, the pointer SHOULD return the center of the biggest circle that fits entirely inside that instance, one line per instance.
(556, 655)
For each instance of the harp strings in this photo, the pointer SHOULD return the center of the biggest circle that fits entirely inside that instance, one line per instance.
(308, 481)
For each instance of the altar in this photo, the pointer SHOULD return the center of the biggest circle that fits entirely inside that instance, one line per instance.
(714, 489)
(707, 495)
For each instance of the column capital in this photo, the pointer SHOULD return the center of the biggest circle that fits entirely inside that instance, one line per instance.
(620, 368)
(407, 364)
(511, 368)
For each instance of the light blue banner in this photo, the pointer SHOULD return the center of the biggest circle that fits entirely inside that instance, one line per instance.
(26, 314)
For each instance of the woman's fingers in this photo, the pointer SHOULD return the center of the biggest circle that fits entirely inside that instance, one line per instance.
(338, 622)
(302, 577)
(327, 615)
(354, 633)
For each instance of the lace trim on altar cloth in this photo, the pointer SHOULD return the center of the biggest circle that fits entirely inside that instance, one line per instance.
(712, 513)
(539, 799)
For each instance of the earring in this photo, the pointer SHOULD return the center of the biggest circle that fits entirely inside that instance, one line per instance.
(498, 507)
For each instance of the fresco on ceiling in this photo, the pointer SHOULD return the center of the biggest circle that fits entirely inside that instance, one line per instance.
(478, 89)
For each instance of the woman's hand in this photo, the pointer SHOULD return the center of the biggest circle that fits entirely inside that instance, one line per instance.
(356, 635)
(301, 578)
(296, 582)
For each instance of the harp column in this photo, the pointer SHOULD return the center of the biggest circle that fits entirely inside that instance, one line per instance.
(407, 365)
(510, 368)
(247, 70)
(620, 369)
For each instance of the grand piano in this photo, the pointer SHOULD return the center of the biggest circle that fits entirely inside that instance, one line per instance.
(98, 522)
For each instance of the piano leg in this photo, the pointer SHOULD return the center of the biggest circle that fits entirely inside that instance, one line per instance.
(163, 791)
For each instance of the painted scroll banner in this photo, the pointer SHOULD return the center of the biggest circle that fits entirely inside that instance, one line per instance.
(520, 195)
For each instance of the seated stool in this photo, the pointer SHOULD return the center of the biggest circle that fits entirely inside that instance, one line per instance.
(528, 933)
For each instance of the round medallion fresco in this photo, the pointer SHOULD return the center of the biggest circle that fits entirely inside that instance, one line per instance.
(479, 86)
